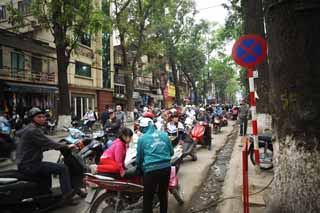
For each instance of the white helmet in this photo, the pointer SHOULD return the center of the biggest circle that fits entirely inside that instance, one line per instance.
(144, 122)
(202, 109)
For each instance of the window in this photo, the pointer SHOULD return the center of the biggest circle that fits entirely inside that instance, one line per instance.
(83, 69)
(3, 14)
(36, 64)
(17, 62)
(85, 39)
(24, 6)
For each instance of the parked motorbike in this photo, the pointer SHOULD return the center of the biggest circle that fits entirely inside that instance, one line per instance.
(106, 194)
(265, 151)
(7, 143)
(90, 146)
(21, 193)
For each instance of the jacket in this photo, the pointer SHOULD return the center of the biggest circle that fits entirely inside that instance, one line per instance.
(114, 157)
(154, 150)
(113, 125)
(32, 143)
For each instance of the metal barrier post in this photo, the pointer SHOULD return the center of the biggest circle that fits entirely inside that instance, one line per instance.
(245, 189)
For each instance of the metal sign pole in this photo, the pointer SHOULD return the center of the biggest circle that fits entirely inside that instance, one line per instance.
(254, 117)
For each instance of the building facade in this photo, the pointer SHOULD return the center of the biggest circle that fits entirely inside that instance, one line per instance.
(35, 57)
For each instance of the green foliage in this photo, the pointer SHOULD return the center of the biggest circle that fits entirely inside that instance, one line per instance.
(71, 17)
(222, 73)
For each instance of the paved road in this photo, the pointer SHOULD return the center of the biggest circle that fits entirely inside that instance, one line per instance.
(191, 173)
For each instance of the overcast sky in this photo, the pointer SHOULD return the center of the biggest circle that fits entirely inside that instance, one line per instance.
(211, 10)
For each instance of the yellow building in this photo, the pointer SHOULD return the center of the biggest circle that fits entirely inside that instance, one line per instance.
(28, 60)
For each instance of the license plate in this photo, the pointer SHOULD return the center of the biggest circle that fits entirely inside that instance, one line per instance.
(90, 195)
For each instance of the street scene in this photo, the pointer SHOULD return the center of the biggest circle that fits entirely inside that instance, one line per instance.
(166, 106)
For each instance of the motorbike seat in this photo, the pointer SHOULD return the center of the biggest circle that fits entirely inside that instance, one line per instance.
(15, 174)
(100, 176)
(4, 181)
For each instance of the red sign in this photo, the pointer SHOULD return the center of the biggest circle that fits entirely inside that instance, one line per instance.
(249, 51)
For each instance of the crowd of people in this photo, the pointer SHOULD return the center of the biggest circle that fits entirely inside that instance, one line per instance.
(154, 146)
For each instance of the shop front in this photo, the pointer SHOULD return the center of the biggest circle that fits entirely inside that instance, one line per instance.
(21, 97)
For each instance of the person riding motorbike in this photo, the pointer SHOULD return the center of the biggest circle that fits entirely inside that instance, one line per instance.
(112, 161)
(154, 153)
(111, 128)
(175, 129)
(33, 142)
(203, 116)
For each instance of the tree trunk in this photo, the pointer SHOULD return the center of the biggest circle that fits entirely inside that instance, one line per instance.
(63, 62)
(293, 38)
(175, 80)
(128, 78)
(254, 24)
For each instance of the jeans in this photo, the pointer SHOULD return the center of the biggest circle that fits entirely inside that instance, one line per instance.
(156, 181)
(45, 170)
(243, 126)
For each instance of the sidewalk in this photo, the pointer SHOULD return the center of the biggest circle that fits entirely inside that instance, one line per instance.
(233, 184)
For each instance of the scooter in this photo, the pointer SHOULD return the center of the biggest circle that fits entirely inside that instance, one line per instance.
(198, 132)
(126, 195)
(217, 123)
(265, 151)
(23, 194)
(7, 143)
(90, 146)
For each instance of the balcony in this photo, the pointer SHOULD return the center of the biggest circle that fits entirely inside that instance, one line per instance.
(28, 76)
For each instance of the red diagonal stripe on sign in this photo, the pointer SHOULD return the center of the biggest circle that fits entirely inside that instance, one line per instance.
(249, 50)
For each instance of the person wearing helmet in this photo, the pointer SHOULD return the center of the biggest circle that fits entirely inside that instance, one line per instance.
(112, 127)
(154, 153)
(175, 129)
(148, 114)
(33, 142)
(203, 116)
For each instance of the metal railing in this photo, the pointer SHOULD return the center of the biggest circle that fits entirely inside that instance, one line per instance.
(28, 76)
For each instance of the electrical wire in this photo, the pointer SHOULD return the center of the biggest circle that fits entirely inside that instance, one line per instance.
(231, 197)
(206, 8)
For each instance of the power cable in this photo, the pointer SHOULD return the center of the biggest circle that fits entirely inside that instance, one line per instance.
(206, 8)
(231, 197)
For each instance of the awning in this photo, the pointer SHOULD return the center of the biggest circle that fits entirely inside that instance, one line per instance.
(30, 88)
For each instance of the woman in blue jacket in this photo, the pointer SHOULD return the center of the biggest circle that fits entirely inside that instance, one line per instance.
(154, 153)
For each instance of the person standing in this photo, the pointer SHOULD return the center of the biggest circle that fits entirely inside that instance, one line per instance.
(154, 153)
(243, 116)
(120, 115)
(105, 115)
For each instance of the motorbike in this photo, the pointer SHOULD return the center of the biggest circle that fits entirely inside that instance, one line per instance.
(224, 120)
(184, 139)
(20, 193)
(217, 124)
(265, 151)
(107, 194)
(90, 146)
(198, 133)
(7, 143)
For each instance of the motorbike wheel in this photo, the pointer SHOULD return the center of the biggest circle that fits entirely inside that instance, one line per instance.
(194, 155)
(178, 195)
(108, 202)
(265, 157)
